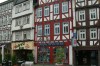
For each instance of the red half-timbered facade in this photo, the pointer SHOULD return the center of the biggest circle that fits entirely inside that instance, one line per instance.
(87, 27)
(53, 28)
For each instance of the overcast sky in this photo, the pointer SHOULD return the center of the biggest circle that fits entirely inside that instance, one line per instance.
(2, 0)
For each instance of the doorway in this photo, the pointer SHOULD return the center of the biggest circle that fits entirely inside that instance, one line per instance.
(86, 57)
(22, 54)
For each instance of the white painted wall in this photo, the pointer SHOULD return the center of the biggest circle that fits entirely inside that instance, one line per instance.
(24, 12)
(30, 25)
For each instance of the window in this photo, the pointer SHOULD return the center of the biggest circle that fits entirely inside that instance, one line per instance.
(81, 15)
(9, 18)
(18, 22)
(80, 0)
(20, 7)
(46, 1)
(0, 35)
(24, 20)
(18, 36)
(16, 9)
(57, 28)
(82, 34)
(26, 35)
(56, 8)
(39, 30)
(28, 5)
(0, 22)
(65, 28)
(47, 30)
(4, 35)
(28, 19)
(24, 6)
(93, 33)
(9, 35)
(92, 13)
(64, 7)
(46, 11)
(39, 12)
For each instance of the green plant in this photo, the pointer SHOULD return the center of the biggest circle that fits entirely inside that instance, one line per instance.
(14, 59)
(30, 57)
(7, 57)
(59, 55)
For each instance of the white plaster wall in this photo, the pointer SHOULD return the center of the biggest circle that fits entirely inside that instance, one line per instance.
(24, 12)
(31, 24)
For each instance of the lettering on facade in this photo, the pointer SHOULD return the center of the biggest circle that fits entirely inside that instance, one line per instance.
(51, 44)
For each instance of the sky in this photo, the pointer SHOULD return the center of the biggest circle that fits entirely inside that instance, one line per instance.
(2, 0)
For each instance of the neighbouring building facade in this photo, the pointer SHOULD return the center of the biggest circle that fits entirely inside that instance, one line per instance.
(53, 29)
(87, 27)
(22, 29)
(5, 25)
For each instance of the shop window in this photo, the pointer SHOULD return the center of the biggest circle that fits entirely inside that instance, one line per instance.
(43, 55)
(65, 52)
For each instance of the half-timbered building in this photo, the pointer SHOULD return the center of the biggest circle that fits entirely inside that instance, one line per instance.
(87, 27)
(53, 29)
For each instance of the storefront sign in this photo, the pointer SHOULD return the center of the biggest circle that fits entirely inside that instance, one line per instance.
(52, 44)
(74, 42)
(22, 45)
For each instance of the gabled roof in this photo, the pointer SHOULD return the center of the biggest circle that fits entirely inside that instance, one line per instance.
(19, 1)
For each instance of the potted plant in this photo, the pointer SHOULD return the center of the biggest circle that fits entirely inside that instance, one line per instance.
(59, 56)
(14, 60)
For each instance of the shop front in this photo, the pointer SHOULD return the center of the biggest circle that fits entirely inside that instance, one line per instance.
(22, 49)
(86, 56)
(46, 52)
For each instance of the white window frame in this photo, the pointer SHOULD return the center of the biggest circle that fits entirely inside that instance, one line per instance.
(39, 30)
(56, 8)
(24, 6)
(46, 11)
(82, 15)
(93, 14)
(82, 34)
(18, 36)
(27, 5)
(46, 1)
(57, 28)
(93, 31)
(47, 30)
(28, 19)
(64, 7)
(39, 12)
(65, 28)
(20, 8)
